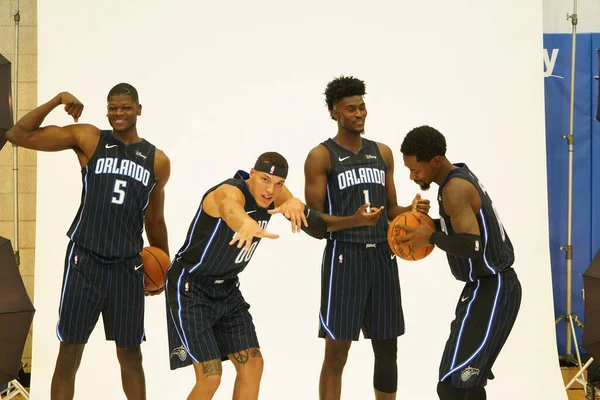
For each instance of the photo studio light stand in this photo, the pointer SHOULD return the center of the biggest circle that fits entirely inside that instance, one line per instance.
(570, 319)
(14, 387)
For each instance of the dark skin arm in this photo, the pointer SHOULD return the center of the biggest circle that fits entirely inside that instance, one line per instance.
(418, 204)
(461, 203)
(81, 138)
(316, 168)
(154, 220)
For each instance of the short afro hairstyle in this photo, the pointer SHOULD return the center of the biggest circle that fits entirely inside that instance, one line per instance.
(424, 142)
(124, 89)
(344, 86)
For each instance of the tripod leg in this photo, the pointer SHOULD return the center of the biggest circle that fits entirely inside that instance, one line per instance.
(581, 371)
(575, 341)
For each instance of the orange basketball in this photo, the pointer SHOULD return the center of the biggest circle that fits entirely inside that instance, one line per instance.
(156, 264)
(406, 252)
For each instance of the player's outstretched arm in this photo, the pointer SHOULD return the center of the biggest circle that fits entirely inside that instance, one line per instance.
(156, 227)
(28, 133)
(227, 202)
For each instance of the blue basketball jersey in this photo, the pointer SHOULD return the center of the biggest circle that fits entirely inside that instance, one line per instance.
(117, 182)
(353, 180)
(207, 251)
(498, 254)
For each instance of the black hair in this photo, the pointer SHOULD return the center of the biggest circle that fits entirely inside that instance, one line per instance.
(124, 89)
(344, 86)
(424, 142)
(273, 158)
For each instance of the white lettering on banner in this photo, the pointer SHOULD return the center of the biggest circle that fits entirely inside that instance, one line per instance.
(550, 63)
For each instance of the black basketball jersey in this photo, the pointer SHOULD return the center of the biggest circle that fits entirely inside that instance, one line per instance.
(207, 251)
(353, 180)
(498, 254)
(117, 182)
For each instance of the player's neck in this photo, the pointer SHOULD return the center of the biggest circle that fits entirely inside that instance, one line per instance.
(128, 136)
(445, 169)
(349, 140)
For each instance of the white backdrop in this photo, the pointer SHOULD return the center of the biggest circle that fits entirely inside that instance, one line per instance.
(221, 82)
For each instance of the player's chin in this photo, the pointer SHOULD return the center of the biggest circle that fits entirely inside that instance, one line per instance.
(423, 185)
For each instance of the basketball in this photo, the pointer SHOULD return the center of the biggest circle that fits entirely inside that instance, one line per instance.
(156, 264)
(408, 218)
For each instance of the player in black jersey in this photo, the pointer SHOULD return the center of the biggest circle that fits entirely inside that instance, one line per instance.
(360, 288)
(207, 315)
(2, 138)
(479, 253)
(123, 189)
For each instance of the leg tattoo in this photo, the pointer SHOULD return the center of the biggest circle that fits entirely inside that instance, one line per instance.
(213, 367)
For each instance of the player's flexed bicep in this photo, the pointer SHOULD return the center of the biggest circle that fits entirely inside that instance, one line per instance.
(81, 138)
(227, 202)
(156, 227)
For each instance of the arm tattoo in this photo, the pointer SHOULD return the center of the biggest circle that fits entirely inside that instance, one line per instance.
(213, 367)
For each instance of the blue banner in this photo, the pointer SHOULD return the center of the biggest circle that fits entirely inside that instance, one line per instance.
(586, 194)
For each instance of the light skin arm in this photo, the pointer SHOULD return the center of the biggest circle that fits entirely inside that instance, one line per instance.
(316, 168)
(394, 209)
(81, 138)
(156, 228)
(227, 202)
(461, 203)
(291, 207)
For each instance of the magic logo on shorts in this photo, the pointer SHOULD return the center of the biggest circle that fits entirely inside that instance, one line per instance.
(180, 353)
(468, 373)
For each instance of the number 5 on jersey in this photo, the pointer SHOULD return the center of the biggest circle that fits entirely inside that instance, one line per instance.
(119, 192)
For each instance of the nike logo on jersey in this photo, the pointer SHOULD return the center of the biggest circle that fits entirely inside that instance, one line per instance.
(343, 158)
(110, 146)
(138, 267)
(393, 256)
(250, 212)
(463, 299)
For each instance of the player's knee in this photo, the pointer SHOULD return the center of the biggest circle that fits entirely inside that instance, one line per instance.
(69, 358)
(335, 361)
(212, 382)
(385, 377)
(448, 392)
(130, 358)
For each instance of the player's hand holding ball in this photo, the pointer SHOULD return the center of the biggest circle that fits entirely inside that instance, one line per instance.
(408, 235)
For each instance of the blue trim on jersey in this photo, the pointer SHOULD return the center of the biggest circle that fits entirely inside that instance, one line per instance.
(181, 332)
(85, 191)
(189, 242)
(487, 333)
(62, 296)
(207, 245)
(330, 208)
(326, 322)
(471, 269)
(147, 202)
(485, 241)
(326, 327)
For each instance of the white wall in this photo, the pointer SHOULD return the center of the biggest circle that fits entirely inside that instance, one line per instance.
(222, 82)
(555, 16)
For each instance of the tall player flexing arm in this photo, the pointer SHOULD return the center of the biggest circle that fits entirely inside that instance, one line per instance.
(124, 177)
(360, 288)
(479, 253)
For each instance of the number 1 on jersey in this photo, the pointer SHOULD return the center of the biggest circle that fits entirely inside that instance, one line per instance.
(366, 193)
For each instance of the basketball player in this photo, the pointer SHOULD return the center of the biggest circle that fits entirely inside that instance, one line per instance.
(207, 315)
(123, 187)
(360, 288)
(479, 253)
